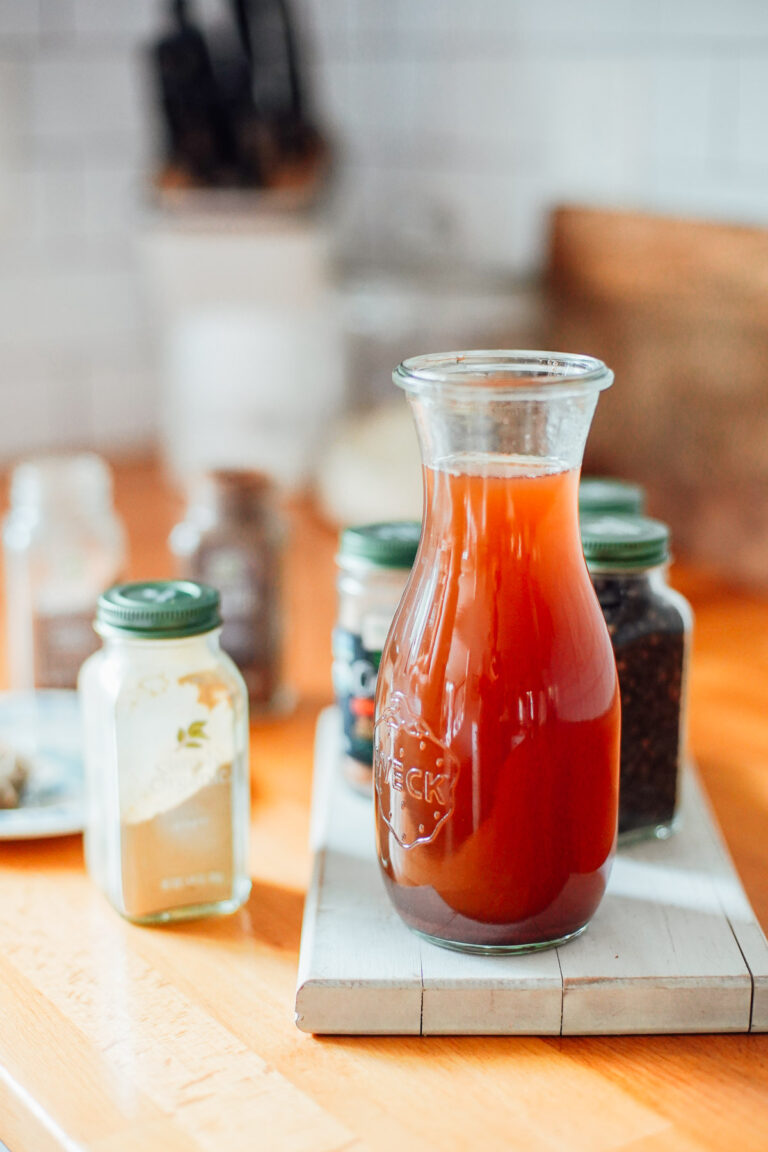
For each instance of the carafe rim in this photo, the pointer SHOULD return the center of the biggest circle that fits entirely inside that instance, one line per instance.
(502, 374)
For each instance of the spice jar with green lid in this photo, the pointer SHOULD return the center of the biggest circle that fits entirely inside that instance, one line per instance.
(165, 715)
(374, 562)
(599, 494)
(650, 627)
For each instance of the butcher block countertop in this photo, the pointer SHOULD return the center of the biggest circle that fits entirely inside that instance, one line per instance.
(115, 1037)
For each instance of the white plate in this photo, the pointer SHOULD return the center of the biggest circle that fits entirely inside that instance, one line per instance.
(44, 727)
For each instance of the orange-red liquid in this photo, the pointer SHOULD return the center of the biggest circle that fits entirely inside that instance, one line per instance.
(498, 734)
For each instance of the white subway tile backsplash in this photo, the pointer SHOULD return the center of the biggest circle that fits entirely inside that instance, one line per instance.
(663, 26)
(113, 199)
(372, 28)
(60, 202)
(682, 95)
(413, 210)
(501, 105)
(122, 404)
(727, 196)
(351, 211)
(57, 21)
(20, 226)
(129, 20)
(484, 213)
(66, 309)
(380, 106)
(590, 119)
(457, 128)
(67, 408)
(589, 25)
(501, 220)
(693, 20)
(19, 19)
(432, 118)
(751, 132)
(85, 93)
(22, 408)
(325, 29)
(456, 25)
(329, 95)
(41, 404)
(15, 110)
(77, 399)
(724, 109)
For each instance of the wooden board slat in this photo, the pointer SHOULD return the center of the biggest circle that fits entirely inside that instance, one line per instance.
(674, 947)
(339, 910)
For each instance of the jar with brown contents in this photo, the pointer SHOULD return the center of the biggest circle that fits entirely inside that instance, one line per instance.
(232, 539)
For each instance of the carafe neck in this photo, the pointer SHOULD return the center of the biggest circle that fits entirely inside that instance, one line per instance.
(503, 437)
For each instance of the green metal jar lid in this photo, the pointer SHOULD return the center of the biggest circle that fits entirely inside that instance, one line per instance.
(606, 494)
(392, 544)
(158, 609)
(622, 541)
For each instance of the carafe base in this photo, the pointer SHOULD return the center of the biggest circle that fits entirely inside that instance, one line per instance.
(498, 949)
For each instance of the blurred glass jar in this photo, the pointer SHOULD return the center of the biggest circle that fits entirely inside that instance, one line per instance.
(598, 494)
(374, 562)
(165, 718)
(232, 538)
(63, 544)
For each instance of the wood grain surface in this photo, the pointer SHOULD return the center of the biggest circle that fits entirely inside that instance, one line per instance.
(114, 1037)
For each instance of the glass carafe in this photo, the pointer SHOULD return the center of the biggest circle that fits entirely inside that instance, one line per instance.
(497, 711)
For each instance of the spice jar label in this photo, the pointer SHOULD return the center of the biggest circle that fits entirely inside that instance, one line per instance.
(177, 750)
(414, 774)
(355, 669)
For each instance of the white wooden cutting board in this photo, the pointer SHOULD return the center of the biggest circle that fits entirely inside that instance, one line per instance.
(674, 946)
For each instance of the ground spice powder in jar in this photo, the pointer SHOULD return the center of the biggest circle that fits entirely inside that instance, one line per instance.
(650, 627)
(166, 862)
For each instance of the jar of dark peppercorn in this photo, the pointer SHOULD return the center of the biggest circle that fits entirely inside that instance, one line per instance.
(650, 627)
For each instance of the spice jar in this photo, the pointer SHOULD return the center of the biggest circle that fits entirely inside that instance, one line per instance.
(63, 544)
(165, 715)
(374, 561)
(232, 539)
(650, 628)
(599, 494)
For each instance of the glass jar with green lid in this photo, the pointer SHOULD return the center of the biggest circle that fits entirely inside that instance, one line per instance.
(650, 627)
(165, 714)
(599, 494)
(374, 562)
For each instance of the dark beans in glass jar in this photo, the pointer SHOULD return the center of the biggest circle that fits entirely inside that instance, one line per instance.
(648, 634)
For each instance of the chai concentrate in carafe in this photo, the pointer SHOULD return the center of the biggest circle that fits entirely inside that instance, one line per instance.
(497, 731)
